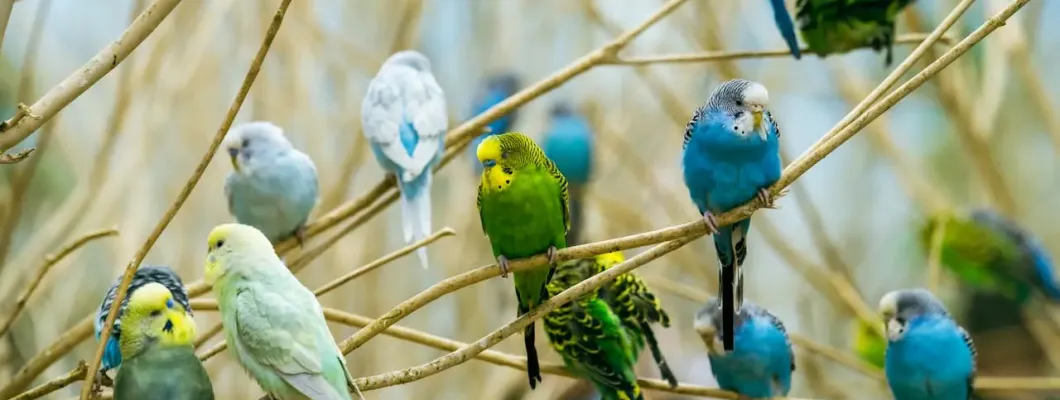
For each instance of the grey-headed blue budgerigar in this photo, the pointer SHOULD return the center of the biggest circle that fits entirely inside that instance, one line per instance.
(731, 156)
(273, 186)
(568, 142)
(761, 364)
(496, 89)
(144, 275)
(782, 18)
(404, 117)
(929, 356)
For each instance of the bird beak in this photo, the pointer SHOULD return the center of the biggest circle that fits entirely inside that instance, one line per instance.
(233, 154)
(756, 113)
(709, 336)
(894, 329)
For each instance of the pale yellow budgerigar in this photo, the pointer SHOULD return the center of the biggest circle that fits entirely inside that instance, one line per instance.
(271, 321)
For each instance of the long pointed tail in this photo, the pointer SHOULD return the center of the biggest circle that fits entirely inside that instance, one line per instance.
(416, 212)
(786, 27)
(656, 353)
(533, 369)
(731, 249)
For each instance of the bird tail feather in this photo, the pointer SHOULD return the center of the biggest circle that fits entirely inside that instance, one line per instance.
(656, 353)
(732, 250)
(416, 213)
(787, 28)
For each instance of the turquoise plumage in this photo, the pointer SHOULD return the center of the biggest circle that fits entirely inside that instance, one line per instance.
(762, 362)
(569, 143)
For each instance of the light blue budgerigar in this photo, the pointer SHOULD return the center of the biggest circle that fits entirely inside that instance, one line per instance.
(929, 356)
(404, 117)
(731, 155)
(762, 362)
(145, 274)
(273, 186)
(568, 142)
(786, 27)
(496, 88)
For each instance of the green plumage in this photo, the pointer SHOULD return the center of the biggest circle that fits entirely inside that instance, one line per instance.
(523, 207)
(637, 307)
(839, 26)
(172, 373)
(979, 255)
(591, 339)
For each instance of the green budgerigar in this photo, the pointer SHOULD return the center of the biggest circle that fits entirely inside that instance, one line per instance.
(590, 337)
(158, 358)
(637, 308)
(839, 26)
(273, 324)
(523, 206)
(868, 344)
(992, 254)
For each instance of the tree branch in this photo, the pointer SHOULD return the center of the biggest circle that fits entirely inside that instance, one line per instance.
(130, 270)
(15, 158)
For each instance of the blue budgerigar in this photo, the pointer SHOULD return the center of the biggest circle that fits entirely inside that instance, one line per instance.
(404, 117)
(144, 275)
(786, 27)
(496, 89)
(273, 186)
(762, 362)
(569, 143)
(929, 356)
(731, 155)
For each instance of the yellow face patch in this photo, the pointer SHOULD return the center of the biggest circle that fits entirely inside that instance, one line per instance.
(216, 239)
(498, 177)
(489, 150)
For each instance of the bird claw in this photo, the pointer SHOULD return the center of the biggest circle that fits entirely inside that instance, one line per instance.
(712, 223)
(552, 254)
(502, 262)
(101, 380)
(300, 234)
(765, 197)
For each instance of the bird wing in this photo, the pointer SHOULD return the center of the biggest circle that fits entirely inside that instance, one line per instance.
(382, 113)
(425, 102)
(780, 326)
(564, 193)
(277, 334)
(691, 125)
(971, 348)
(579, 335)
(771, 121)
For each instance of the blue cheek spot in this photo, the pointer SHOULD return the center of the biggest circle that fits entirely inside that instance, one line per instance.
(489, 163)
(169, 303)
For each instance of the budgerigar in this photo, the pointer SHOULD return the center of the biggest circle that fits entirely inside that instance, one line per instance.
(404, 118)
(637, 308)
(868, 344)
(157, 348)
(929, 356)
(761, 364)
(839, 26)
(273, 324)
(273, 186)
(993, 254)
(523, 207)
(496, 89)
(787, 28)
(145, 274)
(590, 337)
(569, 143)
(731, 155)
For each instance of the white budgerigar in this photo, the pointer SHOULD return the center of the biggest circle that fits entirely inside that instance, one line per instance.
(404, 118)
(274, 325)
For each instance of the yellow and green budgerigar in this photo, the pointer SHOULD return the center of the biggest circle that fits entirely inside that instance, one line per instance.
(868, 344)
(272, 323)
(637, 308)
(523, 207)
(590, 337)
(158, 357)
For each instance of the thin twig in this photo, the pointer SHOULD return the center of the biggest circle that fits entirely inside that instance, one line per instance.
(207, 334)
(447, 231)
(248, 81)
(935, 255)
(49, 262)
(83, 78)
(77, 374)
(711, 56)
(15, 158)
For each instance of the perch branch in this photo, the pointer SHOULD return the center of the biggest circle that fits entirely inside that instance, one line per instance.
(248, 81)
(77, 83)
(711, 56)
(15, 158)
(77, 374)
(305, 258)
(49, 262)
(447, 231)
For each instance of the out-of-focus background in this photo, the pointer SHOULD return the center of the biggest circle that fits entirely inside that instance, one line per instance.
(118, 156)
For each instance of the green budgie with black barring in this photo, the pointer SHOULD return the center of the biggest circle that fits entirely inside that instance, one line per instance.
(523, 207)
(158, 355)
(838, 26)
(272, 323)
(590, 336)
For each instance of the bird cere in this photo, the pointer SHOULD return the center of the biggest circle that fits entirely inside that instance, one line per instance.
(546, 218)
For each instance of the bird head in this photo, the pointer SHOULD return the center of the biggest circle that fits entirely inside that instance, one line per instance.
(898, 308)
(502, 156)
(746, 102)
(228, 241)
(252, 141)
(153, 313)
(409, 58)
(707, 324)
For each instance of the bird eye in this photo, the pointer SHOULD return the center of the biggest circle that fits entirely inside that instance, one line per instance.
(504, 155)
(739, 103)
(246, 142)
(220, 243)
(156, 313)
(738, 114)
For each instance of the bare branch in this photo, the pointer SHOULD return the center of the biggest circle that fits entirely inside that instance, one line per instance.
(55, 384)
(130, 270)
(83, 78)
(447, 231)
(49, 262)
(15, 158)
